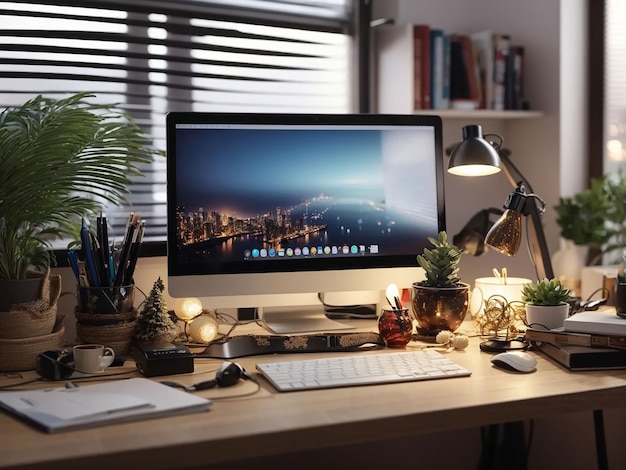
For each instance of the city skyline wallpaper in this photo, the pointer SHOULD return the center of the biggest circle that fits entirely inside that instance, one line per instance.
(261, 194)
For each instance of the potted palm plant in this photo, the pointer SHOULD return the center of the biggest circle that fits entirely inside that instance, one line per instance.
(440, 302)
(59, 161)
(547, 303)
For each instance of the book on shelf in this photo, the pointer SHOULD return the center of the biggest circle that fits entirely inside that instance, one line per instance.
(450, 71)
(421, 66)
(603, 322)
(464, 74)
(484, 46)
(438, 63)
(502, 44)
(579, 358)
(514, 96)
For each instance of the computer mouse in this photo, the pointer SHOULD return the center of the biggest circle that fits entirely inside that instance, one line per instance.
(229, 374)
(519, 361)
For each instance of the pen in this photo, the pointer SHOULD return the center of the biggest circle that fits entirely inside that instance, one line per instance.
(129, 236)
(103, 239)
(101, 264)
(134, 254)
(90, 263)
(73, 261)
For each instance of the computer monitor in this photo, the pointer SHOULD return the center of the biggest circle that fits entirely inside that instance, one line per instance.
(295, 210)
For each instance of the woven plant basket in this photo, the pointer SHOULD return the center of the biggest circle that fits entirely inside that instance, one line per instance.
(21, 354)
(118, 335)
(36, 318)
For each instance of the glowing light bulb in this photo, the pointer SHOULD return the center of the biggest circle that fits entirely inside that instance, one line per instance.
(203, 329)
(187, 309)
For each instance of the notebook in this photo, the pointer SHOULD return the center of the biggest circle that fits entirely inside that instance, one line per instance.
(60, 408)
(604, 322)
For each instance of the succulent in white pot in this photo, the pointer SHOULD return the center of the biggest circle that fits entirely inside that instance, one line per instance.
(547, 303)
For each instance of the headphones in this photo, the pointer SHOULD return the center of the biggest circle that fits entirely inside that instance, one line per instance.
(55, 365)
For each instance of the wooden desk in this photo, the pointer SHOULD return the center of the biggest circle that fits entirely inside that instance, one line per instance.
(271, 423)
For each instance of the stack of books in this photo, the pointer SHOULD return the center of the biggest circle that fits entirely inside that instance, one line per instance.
(482, 70)
(592, 340)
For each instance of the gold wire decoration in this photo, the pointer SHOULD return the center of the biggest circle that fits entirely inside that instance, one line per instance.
(500, 317)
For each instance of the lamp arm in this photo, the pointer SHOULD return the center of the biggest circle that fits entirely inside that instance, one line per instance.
(543, 264)
(508, 165)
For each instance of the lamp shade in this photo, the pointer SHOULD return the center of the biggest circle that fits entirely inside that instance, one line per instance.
(506, 234)
(474, 156)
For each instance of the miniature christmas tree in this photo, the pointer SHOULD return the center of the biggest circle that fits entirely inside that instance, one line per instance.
(154, 324)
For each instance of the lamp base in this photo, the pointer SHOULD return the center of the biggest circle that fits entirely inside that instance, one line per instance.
(498, 345)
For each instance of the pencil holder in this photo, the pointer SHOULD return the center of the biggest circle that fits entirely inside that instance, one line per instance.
(106, 299)
(106, 315)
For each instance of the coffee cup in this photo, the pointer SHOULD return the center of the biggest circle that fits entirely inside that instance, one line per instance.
(92, 358)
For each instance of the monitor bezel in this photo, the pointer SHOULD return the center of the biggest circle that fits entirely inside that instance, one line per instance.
(295, 265)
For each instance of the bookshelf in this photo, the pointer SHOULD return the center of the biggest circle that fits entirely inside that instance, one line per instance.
(547, 142)
(480, 114)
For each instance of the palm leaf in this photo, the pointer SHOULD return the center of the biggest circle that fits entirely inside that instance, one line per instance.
(61, 160)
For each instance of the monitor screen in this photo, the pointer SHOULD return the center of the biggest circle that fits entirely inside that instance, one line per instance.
(277, 204)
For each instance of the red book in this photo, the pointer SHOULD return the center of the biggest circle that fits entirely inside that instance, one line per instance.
(421, 67)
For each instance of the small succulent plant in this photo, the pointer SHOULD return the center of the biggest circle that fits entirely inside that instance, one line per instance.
(545, 292)
(441, 264)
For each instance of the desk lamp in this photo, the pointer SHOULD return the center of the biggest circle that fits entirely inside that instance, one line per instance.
(476, 156)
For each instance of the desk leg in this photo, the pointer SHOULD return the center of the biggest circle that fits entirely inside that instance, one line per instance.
(598, 422)
(503, 447)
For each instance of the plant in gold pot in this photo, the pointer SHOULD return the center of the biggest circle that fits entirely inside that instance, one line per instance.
(547, 303)
(441, 301)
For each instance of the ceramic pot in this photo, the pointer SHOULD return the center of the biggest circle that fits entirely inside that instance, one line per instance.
(439, 308)
(546, 316)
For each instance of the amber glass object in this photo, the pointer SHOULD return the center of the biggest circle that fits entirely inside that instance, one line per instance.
(395, 327)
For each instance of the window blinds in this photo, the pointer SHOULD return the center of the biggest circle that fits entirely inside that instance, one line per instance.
(153, 57)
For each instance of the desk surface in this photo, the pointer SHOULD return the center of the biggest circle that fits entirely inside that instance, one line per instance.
(270, 423)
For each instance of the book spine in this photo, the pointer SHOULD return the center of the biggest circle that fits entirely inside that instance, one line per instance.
(459, 81)
(484, 47)
(445, 103)
(575, 339)
(421, 52)
(437, 68)
(518, 77)
(502, 45)
(556, 353)
(417, 69)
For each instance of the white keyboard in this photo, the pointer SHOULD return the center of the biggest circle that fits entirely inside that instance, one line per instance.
(360, 369)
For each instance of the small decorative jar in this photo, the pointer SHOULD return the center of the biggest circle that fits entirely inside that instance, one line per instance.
(395, 327)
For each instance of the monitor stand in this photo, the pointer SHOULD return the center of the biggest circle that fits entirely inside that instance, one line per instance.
(299, 319)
